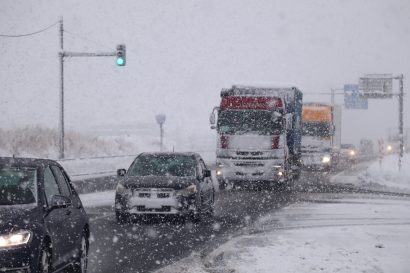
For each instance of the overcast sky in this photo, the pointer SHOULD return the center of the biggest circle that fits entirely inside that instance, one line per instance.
(181, 53)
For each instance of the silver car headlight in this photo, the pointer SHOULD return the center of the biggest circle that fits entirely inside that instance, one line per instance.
(326, 159)
(121, 189)
(187, 191)
(17, 238)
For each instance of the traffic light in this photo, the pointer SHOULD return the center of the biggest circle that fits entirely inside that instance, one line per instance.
(120, 55)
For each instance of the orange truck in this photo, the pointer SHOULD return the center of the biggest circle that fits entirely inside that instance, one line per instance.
(321, 136)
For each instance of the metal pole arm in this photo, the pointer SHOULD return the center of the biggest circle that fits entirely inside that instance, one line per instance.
(88, 54)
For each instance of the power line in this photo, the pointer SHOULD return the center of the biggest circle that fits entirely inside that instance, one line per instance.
(28, 34)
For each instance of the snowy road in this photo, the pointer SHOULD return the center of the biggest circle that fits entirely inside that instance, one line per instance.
(333, 226)
(145, 247)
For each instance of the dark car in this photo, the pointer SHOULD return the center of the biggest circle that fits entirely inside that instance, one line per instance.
(176, 184)
(348, 154)
(43, 225)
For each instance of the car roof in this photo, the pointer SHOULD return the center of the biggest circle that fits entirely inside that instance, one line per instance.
(25, 162)
(191, 154)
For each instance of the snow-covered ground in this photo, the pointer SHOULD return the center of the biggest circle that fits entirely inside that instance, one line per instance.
(374, 176)
(98, 199)
(326, 235)
(387, 173)
(79, 169)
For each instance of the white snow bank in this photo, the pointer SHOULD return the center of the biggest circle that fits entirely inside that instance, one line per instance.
(373, 176)
(98, 199)
(350, 235)
(387, 174)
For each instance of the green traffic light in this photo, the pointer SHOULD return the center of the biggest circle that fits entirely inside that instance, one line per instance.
(120, 61)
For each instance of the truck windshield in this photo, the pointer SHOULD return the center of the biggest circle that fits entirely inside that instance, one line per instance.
(317, 128)
(262, 122)
(18, 186)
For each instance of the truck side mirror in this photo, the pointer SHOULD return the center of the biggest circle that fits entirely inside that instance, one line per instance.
(288, 122)
(212, 118)
(332, 130)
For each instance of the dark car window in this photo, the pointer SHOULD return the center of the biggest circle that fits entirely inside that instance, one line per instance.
(18, 186)
(50, 185)
(61, 180)
(163, 165)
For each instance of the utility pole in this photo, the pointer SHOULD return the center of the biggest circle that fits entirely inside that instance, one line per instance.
(332, 97)
(119, 53)
(61, 57)
(401, 134)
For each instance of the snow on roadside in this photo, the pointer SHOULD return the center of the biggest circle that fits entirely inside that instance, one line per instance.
(372, 176)
(387, 174)
(79, 169)
(98, 199)
(350, 235)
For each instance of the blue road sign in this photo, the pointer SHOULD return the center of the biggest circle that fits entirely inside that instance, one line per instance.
(353, 99)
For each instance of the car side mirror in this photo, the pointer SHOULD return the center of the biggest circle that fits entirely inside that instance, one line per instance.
(121, 172)
(59, 201)
(207, 173)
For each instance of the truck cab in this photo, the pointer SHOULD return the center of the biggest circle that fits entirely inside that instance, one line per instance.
(321, 124)
(255, 145)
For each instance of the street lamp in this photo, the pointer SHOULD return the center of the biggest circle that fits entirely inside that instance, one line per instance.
(160, 120)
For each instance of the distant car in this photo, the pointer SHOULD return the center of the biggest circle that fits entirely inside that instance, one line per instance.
(43, 225)
(348, 154)
(176, 184)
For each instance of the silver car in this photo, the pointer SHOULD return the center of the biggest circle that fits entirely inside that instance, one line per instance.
(176, 184)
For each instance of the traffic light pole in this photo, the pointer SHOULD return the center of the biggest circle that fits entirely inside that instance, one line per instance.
(62, 54)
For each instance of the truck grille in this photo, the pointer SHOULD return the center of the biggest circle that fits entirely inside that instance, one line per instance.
(249, 164)
(163, 209)
(249, 153)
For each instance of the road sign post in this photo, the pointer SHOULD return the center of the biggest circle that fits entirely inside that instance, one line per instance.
(161, 120)
(381, 86)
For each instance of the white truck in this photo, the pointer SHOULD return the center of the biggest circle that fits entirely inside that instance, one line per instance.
(258, 135)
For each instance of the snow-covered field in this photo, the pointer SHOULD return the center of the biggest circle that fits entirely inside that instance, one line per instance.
(387, 173)
(385, 177)
(345, 235)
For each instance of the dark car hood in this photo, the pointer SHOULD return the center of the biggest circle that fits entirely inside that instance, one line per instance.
(173, 182)
(18, 217)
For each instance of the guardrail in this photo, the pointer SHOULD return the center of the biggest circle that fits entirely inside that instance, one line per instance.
(108, 165)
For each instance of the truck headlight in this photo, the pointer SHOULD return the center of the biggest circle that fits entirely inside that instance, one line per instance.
(187, 191)
(219, 167)
(18, 238)
(352, 153)
(326, 159)
(389, 148)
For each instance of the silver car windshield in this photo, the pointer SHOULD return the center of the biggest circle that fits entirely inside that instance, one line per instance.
(163, 165)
